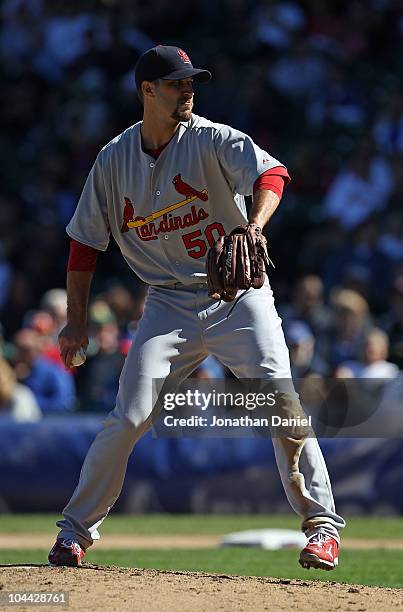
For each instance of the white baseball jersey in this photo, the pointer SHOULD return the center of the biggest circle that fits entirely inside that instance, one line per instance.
(165, 213)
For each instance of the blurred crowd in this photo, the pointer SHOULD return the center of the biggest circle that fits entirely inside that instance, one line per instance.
(317, 83)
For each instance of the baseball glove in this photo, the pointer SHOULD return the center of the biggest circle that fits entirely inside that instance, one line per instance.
(237, 261)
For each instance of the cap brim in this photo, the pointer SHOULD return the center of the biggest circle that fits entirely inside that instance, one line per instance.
(202, 76)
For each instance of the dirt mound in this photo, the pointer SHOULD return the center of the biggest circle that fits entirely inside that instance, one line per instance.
(94, 588)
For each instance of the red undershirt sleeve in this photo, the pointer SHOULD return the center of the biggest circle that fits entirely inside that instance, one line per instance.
(82, 258)
(274, 180)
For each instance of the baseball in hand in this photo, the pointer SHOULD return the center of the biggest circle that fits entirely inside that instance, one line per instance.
(79, 358)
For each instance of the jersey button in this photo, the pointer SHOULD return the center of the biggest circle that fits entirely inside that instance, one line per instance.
(152, 165)
(158, 192)
(166, 236)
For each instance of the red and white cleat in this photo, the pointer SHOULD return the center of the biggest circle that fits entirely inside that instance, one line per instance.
(66, 552)
(321, 552)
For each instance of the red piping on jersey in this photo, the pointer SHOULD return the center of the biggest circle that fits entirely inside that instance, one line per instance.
(274, 179)
(82, 258)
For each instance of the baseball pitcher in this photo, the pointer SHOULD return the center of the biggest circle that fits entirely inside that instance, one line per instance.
(171, 190)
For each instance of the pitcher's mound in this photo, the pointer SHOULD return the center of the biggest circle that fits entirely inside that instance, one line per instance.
(95, 588)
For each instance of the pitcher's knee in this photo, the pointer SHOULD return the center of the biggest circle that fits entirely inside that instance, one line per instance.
(131, 425)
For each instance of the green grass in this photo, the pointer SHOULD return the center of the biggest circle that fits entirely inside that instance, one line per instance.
(371, 567)
(154, 524)
(356, 567)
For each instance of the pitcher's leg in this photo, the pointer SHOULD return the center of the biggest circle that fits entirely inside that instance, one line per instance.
(307, 486)
(248, 337)
(163, 349)
(251, 343)
(101, 479)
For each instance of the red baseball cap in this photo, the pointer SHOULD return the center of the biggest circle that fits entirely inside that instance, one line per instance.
(165, 62)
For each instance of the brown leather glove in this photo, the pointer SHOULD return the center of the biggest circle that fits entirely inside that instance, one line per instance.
(237, 261)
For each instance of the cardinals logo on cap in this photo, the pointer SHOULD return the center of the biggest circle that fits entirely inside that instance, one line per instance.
(184, 56)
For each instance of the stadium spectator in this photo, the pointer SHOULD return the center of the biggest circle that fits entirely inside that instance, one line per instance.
(5, 277)
(52, 387)
(352, 321)
(276, 23)
(388, 126)
(308, 305)
(97, 383)
(17, 401)
(61, 103)
(392, 323)
(6, 348)
(43, 323)
(304, 360)
(361, 265)
(340, 102)
(390, 239)
(66, 30)
(373, 362)
(360, 189)
(300, 72)
(54, 301)
(126, 307)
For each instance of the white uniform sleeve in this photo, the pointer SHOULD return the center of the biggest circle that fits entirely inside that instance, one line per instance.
(241, 159)
(89, 223)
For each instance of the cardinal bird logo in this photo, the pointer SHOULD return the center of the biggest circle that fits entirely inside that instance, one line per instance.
(128, 215)
(148, 229)
(184, 56)
(186, 190)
